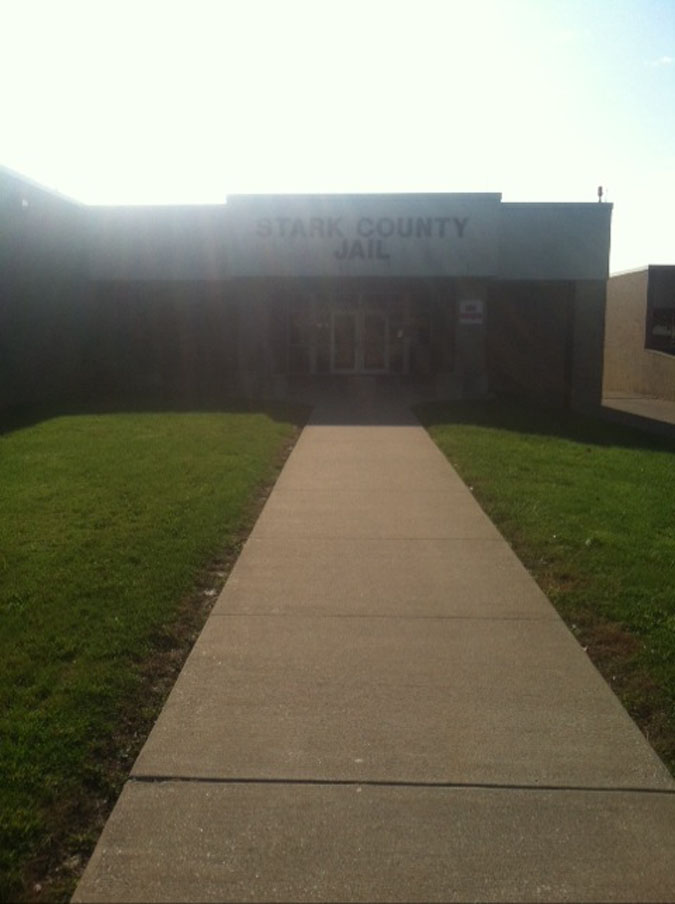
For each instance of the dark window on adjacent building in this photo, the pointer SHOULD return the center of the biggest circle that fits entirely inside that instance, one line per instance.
(663, 330)
(660, 326)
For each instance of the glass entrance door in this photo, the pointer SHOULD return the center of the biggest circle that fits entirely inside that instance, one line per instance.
(344, 342)
(359, 342)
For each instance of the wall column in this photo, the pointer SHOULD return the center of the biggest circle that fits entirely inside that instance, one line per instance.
(588, 339)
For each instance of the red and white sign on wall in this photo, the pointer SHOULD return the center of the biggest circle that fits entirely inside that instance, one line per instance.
(471, 312)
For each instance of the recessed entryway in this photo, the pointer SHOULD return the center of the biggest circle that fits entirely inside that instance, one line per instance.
(347, 333)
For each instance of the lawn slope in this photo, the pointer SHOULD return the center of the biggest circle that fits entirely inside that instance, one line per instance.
(115, 531)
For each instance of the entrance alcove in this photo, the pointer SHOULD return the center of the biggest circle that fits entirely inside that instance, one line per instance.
(361, 332)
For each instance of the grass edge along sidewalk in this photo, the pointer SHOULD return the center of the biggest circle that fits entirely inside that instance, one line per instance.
(589, 508)
(117, 531)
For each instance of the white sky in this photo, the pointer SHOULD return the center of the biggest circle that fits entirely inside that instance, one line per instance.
(165, 102)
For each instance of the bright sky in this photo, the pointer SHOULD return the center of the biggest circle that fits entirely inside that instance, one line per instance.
(122, 102)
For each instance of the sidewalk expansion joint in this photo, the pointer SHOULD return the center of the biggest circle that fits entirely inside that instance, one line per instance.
(381, 783)
(312, 538)
(361, 537)
(390, 615)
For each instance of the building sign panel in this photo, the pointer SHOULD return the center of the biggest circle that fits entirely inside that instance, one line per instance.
(368, 235)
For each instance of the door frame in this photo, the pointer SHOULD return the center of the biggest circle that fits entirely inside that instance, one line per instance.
(358, 313)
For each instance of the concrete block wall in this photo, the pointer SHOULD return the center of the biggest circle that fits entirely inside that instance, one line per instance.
(630, 368)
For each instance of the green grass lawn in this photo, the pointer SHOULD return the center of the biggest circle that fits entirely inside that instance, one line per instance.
(115, 531)
(589, 507)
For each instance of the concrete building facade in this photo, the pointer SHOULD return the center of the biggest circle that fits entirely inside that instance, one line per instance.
(459, 293)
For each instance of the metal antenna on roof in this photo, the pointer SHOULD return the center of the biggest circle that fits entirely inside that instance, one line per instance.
(600, 194)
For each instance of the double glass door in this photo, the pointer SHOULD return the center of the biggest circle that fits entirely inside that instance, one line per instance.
(359, 341)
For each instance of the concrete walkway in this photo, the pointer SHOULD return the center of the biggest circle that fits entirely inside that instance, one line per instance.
(383, 706)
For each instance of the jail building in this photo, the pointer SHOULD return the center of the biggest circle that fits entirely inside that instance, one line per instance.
(460, 295)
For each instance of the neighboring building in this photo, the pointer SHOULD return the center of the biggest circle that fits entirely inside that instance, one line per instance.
(640, 333)
(459, 293)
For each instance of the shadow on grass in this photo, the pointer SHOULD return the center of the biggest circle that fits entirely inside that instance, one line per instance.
(378, 408)
(528, 418)
(20, 417)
